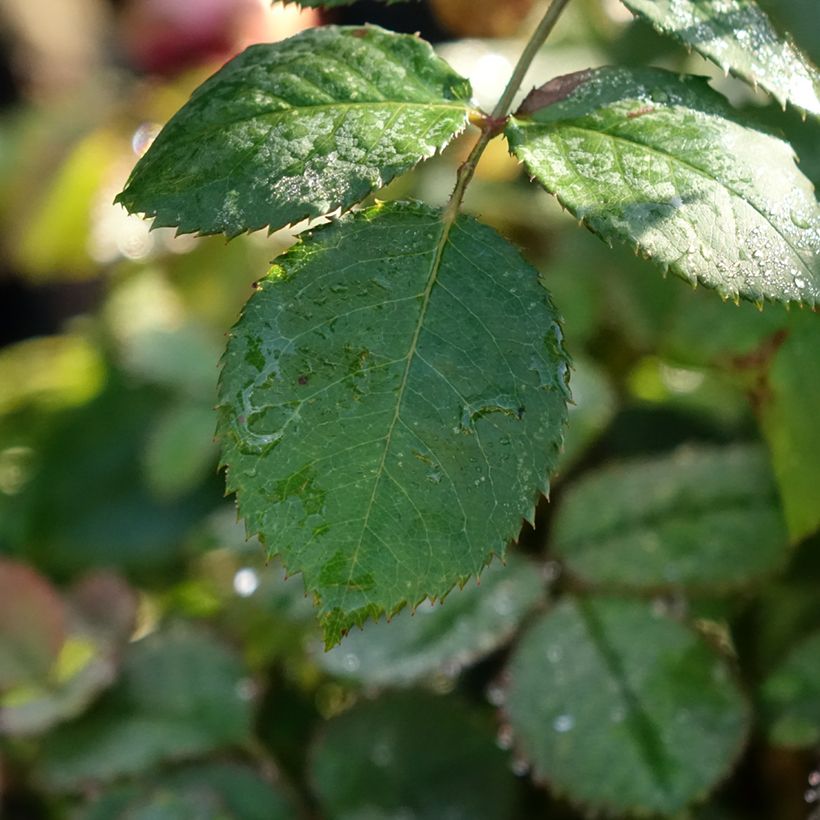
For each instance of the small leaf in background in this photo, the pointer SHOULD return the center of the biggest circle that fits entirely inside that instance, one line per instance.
(180, 451)
(469, 624)
(297, 129)
(32, 625)
(101, 613)
(661, 162)
(623, 710)
(411, 755)
(739, 37)
(788, 406)
(392, 402)
(707, 518)
(208, 791)
(181, 694)
(790, 696)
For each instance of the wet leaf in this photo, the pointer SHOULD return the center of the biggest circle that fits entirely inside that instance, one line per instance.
(471, 623)
(411, 755)
(179, 696)
(622, 709)
(661, 162)
(297, 129)
(738, 36)
(705, 518)
(790, 696)
(391, 405)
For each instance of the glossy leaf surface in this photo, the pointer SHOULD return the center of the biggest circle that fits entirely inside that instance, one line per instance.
(297, 129)
(739, 37)
(471, 623)
(790, 696)
(623, 710)
(391, 404)
(705, 518)
(412, 755)
(661, 162)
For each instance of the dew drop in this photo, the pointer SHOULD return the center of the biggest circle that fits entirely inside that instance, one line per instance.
(245, 582)
(143, 137)
(563, 723)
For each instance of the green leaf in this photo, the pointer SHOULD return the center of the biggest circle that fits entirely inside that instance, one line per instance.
(297, 129)
(622, 709)
(738, 36)
(179, 696)
(411, 755)
(704, 518)
(211, 791)
(790, 696)
(660, 161)
(788, 406)
(391, 405)
(470, 624)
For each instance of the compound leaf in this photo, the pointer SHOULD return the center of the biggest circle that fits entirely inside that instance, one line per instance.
(623, 709)
(704, 518)
(738, 36)
(297, 129)
(472, 623)
(391, 404)
(660, 161)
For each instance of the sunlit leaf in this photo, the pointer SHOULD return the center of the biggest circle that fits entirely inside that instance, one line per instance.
(739, 37)
(704, 518)
(623, 710)
(661, 162)
(297, 129)
(391, 405)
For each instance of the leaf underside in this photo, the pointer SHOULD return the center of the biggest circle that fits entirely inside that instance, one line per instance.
(391, 405)
(623, 710)
(703, 518)
(297, 129)
(661, 162)
(738, 36)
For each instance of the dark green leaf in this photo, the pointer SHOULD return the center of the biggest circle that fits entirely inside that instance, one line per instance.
(180, 695)
(298, 128)
(623, 709)
(660, 161)
(391, 404)
(790, 696)
(705, 518)
(739, 37)
(788, 406)
(471, 623)
(411, 755)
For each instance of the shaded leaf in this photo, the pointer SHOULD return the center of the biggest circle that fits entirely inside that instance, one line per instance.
(211, 791)
(297, 129)
(471, 623)
(660, 161)
(738, 36)
(790, 696)
(391, 404)
(624, 710)
(32, 625)
(788, 413)
(179, 696)
(411, 755)
(705, 518)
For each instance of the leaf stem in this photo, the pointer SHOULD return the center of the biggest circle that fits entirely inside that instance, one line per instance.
(495, 122)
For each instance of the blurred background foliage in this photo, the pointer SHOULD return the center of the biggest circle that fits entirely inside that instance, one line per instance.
(154, 665)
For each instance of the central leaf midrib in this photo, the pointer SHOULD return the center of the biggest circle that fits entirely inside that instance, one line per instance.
(432, 276)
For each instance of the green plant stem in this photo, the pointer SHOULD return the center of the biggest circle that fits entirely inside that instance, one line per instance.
(492, 124)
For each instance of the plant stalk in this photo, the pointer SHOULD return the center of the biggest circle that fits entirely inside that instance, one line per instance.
(493, 124)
